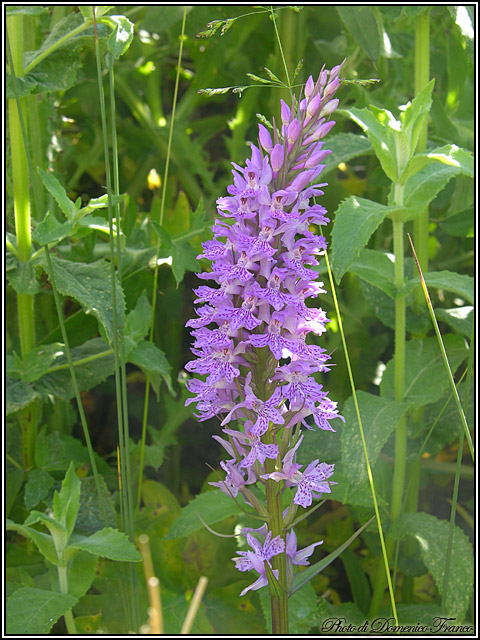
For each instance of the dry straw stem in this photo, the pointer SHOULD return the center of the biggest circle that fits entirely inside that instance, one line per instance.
(192, 612)
(155, 611)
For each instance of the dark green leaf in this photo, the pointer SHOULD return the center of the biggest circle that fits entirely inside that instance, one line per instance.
(376, 268)
(13, 484)
(18, 395)
(108, 543)
(40, 359)
(380, 417)
(37, 487)
(432, 536)
(90, 284)
(462, 285)
(426, 379)
(28, 11)
(345, 147)
(212, 506)
(23, 278)
(151, 359)
(361, 23)
(138, 320)
(81, 573)
(459, 318)
(50, 230)
(355, 221)
(32, 611)
(460, 225)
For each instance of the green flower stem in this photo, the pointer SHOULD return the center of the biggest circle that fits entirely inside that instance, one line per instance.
(278, 603)
(63, 584)
(21, 203)
(422, 74)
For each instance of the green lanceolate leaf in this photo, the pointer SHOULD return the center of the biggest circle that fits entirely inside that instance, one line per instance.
(31, 611)
(310, 572)
(380, 417)
(450, 155)
(355, 221)
(67, 502)
(138, 320)
(23, 278)
(425, 377)
(460, 225)
(432, 535)
(50, 230)
(37, 487)
(376, 268)
(38, 360)
(414, 114)
(379, 127)
(212, 506)
(43, 541)
(107, 543)
(53, 185)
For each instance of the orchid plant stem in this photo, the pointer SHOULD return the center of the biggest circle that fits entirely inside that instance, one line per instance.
(279, 603)
(26, 312)
(63, 584)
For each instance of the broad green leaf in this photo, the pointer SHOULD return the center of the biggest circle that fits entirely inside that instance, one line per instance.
(459, 318)
(24, 85)
(67, 502)
(460, 284)
(151, 359)
(357, 579)
(108, 543)
(23, 278)
(426, 379)
(13, 483)
(37, 487)
(460, 225)
(93, 362)
(377, 134)
(302, 609)
(54, 452)
(121, 36)
(50, 230)
(363, 26)
(64, 34)
(81, 573)
(100, 203)
(310, 572)
(212, 506)
(18, 395)
(184, 258)
(90, 284)
(376, 268)
(432, 536)
(32, 611)
(380, 417)
(53, 185)
(57, 529)
(423, 187)
(40, 359)
(345, 147)
(43, 541)
(355, 221)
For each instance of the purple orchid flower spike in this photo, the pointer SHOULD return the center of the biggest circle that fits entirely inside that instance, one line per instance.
(255, 319)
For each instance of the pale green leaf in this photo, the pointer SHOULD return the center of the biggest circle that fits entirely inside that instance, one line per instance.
(108, 543)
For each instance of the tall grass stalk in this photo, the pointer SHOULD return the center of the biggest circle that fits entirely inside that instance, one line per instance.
(155, 273)
(386, 571)
(125, 480)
